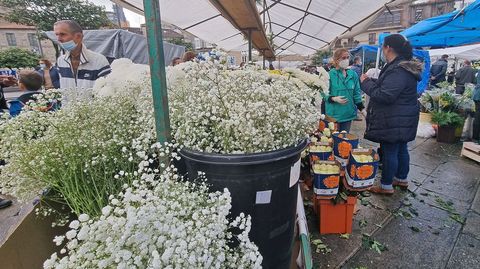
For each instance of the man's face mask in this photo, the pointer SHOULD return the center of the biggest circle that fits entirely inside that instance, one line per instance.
(69, 45)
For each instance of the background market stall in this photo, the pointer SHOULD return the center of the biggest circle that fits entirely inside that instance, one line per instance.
(469, 52)
(117, 43)
(369, 55)
(457, 28)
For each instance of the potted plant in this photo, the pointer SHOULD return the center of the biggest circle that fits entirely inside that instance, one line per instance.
(245, 129)
(447, 123)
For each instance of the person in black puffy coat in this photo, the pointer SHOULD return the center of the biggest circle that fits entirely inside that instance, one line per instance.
(393, 111)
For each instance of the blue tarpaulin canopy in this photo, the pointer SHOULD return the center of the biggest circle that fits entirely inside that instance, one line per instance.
(457, 28)
(370, 53)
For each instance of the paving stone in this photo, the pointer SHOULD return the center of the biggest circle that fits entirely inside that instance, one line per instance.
(455, 179)
(419, 173)
(465, 254)
(425, 160)
(410, 249)
(441, 149)
(476, 201)
(472, 225)
(434, 199)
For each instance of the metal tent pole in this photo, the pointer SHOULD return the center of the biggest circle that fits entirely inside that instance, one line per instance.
(377, 60)
(249, 45)
(157, 69)
(363, 60)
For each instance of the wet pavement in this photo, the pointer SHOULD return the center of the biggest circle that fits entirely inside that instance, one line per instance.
(433, 224)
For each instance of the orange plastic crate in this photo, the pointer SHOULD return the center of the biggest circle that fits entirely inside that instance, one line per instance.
(334, 218)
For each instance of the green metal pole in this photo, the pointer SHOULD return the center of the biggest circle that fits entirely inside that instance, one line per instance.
(157, 69)
(249, 46)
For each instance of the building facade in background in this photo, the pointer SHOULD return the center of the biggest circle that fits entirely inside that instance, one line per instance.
(400, 18)
(25, 37)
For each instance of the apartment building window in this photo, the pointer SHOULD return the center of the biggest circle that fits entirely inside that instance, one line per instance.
(11, 40)
(441, 9)
(372, 38)
(33, 40)
(387, 19)
(418, 14)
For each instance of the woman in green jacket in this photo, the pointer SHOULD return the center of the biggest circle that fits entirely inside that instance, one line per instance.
(344, 96)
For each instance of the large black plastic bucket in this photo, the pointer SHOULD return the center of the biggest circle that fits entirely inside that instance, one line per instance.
(262, 185)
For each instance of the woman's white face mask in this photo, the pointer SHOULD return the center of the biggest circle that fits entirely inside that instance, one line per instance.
(344, 64)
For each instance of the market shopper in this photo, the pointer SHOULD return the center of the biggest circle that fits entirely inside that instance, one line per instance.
(29, 82)
(176, 61)
(476, 121)
(438, 70)
(357, 65)
(393, 111)
(464, 75)
(189, 56)
(50, 75)
(344, 95)
(5, 81)
(79, 67)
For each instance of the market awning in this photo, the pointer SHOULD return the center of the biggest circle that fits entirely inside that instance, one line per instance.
(469, 52)
(303, 26)
(225, 23)
(298, 26)
(457, 28)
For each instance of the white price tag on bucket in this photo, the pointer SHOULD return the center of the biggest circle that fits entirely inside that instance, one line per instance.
(294, 173)
(263, 197)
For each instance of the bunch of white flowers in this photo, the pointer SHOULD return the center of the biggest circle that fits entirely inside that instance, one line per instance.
(125, 76)
(16, 135)
(44, 101)
(319, 82)
(214, 109)
(159, 222)
(77, 151)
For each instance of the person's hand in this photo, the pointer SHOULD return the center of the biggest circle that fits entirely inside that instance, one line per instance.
(364, 112)
(432, 78)
(7, 81)
(363, 77)
(340, 100)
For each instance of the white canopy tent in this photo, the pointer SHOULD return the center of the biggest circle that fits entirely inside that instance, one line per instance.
(469, 52)
(298, 26)
(303, 26)
(198, 17)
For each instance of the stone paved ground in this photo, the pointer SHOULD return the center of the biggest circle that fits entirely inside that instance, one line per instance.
(435, 224)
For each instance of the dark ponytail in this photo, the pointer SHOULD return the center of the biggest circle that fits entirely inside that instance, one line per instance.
(400, 45)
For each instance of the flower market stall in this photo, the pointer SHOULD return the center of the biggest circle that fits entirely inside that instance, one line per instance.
(116, 44)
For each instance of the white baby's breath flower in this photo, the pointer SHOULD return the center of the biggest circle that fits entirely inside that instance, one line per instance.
(83, 218)
(74, 225)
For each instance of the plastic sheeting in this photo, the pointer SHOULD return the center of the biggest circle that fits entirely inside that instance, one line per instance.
(115, 44)
(470, 52)
(298, 26)
(452, 29)
(422, 55)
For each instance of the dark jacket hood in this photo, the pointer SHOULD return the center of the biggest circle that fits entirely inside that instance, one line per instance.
(413, 67)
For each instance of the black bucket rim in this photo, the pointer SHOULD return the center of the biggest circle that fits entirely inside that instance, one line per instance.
(244, 159)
